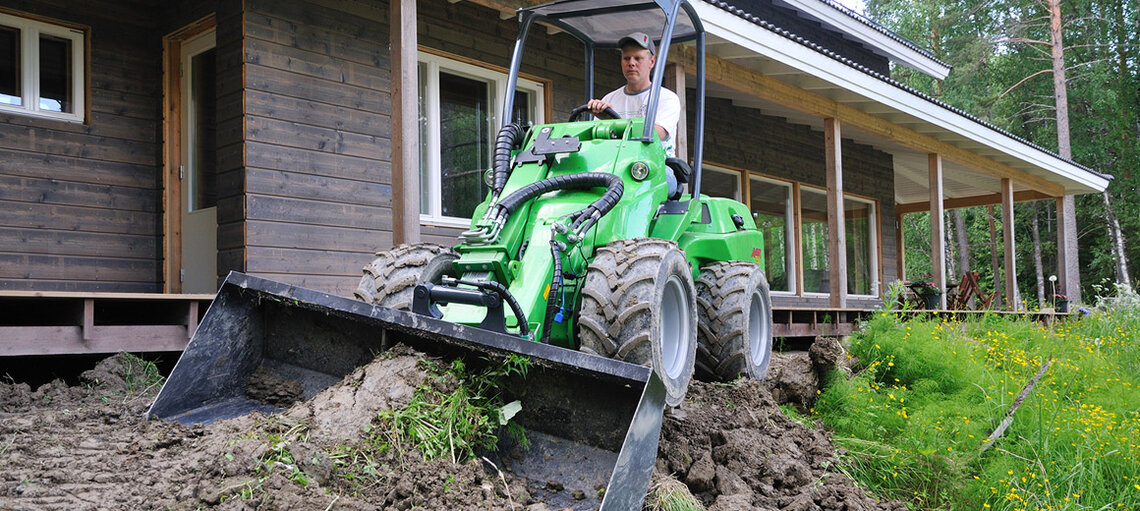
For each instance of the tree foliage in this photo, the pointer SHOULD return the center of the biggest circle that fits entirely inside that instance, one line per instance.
(1003, 75)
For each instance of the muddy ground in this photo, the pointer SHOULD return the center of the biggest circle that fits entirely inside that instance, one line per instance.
(88, 447)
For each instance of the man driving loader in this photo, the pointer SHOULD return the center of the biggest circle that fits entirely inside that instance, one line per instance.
(638, 56)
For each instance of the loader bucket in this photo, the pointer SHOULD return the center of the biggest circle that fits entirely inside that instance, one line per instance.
(592, 422)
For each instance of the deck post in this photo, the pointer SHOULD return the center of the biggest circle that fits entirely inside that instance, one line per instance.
(405, 123)
(937, 227)
(900, 246)
(1068, 270)
(836, 234)
(675, 81)
(1011, 299)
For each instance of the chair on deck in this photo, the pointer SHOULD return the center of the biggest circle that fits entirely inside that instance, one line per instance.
(969, 291)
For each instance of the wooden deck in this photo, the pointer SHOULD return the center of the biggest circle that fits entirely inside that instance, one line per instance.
(66, 323)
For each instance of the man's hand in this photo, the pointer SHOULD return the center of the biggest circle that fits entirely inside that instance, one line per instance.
(596, 107)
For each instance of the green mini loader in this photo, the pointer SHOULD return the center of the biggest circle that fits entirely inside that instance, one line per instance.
(616, 283)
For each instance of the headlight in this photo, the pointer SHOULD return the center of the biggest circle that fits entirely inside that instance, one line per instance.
(489, 177)
(639, 170)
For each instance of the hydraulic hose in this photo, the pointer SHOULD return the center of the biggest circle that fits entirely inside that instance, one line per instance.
(555, 289)
(510, 138)
(583, 181)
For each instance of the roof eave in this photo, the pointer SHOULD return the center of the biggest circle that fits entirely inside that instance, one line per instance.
(1073, 177)
(892, 48)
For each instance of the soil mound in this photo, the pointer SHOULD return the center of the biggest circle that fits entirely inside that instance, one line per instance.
(733, 448)
(89, 447)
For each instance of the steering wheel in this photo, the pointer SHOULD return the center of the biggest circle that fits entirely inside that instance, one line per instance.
(577, 112)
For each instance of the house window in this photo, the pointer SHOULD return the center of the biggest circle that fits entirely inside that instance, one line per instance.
(720, 183)
(771, 205)
(460, 105)
(41, 69)
(814, 239)
(862, 268)
(859, 220)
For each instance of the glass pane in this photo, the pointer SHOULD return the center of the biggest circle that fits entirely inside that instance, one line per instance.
(813, 217)
(464, 143)
(720, 184)
(10, 66)
(522, 108)
(204, 175)
(858, 217)
(55, 75)
(770, 205)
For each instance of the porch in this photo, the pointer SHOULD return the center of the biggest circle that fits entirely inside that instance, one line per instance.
(43, 323)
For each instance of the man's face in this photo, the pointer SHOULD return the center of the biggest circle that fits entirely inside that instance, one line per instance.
(636, 64)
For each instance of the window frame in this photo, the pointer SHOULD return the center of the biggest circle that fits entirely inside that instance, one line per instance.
(790, 248)
(874, 241)
(431, 188)
(29, 65)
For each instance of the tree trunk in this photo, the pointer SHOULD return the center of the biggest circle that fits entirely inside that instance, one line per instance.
(950, 257)
(995, 265)
(963, 247)
(1117, 239)
(1037, 266)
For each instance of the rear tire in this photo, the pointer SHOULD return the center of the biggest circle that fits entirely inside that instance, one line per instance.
(735, 310)
(639, 306)
(390, 279)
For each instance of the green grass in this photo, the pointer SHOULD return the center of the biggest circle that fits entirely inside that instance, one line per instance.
(928, 392)
(458, 419)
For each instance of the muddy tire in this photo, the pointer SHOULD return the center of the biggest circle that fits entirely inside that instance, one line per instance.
(639, 306)
(390, 279)
(735, 322)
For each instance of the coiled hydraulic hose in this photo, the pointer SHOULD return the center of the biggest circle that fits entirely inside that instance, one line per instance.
(510, 138)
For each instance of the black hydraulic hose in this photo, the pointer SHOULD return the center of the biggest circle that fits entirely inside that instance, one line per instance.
(555, 289)
(505, 294)
(583, 181)
(509, 139)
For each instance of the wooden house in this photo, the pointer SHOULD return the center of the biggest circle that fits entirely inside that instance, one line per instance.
(152, 147)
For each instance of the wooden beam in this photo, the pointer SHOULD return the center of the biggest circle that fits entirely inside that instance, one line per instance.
(969, 202)
(1011, 298)
(405, 124)
(675, 81)
(937, 227)
(765, 87)
(836, 233)
(900, 246)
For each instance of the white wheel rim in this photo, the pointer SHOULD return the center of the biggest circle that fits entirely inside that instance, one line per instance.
(674, 327)
(757, 330)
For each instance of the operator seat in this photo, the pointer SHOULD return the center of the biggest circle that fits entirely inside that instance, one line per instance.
(679, 172)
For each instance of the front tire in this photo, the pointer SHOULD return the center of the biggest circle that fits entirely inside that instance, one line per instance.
(390, 279)
(735, 336)
(639, 306)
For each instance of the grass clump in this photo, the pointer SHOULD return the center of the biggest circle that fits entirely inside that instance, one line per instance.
(459, 412)
(927, 393)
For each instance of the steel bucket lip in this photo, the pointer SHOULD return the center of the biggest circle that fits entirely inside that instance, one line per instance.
(411, 323)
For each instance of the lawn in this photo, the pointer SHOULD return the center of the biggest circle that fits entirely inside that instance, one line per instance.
(916, 415)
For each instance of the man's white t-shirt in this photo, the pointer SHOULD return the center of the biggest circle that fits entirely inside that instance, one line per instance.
(633, 106)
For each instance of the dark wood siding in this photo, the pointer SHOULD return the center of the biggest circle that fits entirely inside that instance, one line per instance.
(80, 204)
(317, 173)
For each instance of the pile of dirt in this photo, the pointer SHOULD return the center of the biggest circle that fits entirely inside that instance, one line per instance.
(734, 449)
(89, 447)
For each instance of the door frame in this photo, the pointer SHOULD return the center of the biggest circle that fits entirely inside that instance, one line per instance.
(172, 149)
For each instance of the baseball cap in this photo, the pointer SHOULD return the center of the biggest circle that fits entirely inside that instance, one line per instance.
(639, 39)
